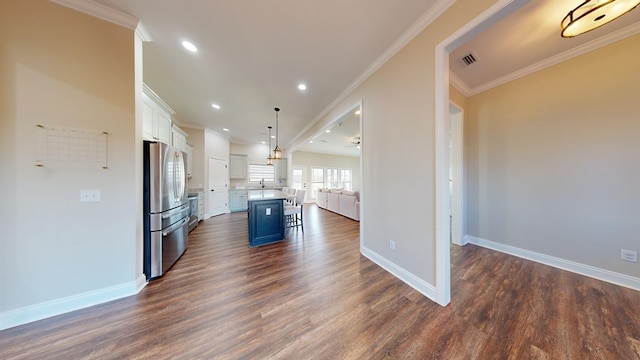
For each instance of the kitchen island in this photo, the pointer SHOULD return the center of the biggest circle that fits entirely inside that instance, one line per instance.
(266, 216)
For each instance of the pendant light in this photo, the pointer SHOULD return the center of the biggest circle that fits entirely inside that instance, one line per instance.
(592, 14)
(269, 158)
(277, 154)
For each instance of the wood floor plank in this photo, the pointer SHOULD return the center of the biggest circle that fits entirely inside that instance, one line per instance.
(313, 296)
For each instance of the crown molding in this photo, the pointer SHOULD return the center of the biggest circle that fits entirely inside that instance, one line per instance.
(459, 84)
(143, 33)
(427, 18)
(561, 57)
(101, 11)
(157, 99)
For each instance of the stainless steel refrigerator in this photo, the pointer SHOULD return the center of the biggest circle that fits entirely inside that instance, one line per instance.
(166, 207)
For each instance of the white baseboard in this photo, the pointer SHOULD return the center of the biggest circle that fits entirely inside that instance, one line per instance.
(410, 279)
(572, 266)
(27, 314)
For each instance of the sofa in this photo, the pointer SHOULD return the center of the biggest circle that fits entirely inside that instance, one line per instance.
(343, 202)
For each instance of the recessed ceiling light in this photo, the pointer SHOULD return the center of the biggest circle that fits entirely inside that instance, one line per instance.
(310, 141)
(357, 112)
(189, 46)
(225, 129)
(328, 131)
(302, 87)
(263, 142)
(215, 106)
(273, 136)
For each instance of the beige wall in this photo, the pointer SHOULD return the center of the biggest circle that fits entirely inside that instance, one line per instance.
(552, 160)
(398, 149)
(457, 97)
(62, 68)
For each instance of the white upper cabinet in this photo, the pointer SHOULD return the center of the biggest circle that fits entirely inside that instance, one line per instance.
(163, 123)
(178, 138)
(156, 117)
(238, 166)
(189, 160)
(281, 167)
(148, 122)
(179, 141)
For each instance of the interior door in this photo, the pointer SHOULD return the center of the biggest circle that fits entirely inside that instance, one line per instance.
(299, 179)
(218, 186)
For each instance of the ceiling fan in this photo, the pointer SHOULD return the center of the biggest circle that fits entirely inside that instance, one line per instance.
(355, 142)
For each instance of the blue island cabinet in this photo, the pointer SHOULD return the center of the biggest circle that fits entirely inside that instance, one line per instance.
(266, 221)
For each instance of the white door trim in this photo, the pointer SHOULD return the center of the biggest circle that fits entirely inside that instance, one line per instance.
(442, 233)
(456, 114)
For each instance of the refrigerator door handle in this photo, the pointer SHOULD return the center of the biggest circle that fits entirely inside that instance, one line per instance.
(169, 214)
(176, 226)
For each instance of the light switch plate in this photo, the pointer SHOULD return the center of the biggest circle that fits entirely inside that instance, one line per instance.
(268, 211)
(89, 195)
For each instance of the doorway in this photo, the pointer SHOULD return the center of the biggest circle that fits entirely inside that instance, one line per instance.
(218, 187)
(456, 173)
(498, 11)
(299, 179)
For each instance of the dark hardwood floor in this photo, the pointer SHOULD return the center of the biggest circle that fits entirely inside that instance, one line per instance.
(316, 297)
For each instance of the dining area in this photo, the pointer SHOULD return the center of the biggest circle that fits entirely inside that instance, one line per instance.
(271, 211)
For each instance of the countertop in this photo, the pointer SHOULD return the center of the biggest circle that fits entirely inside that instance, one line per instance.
(257, 195)
(254, 188)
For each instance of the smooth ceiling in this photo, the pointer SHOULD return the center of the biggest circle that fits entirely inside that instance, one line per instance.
(252, 54)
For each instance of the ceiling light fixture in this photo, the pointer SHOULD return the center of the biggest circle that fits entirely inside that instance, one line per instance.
(215, 106)
(277, 153)
(302, 87)
(592, 14)
(225, 129)
(269, 158)
(189, 46)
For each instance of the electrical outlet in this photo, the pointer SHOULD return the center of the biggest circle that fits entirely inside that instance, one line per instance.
(628, 255)
(89, 195)
(392, 245)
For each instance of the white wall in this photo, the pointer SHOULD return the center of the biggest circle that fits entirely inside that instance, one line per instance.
(196, 139)
(59, 254)
(256, 153)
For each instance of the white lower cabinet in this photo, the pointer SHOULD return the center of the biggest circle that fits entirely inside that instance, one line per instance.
(200, 205)
(238, 200)
(200, 209)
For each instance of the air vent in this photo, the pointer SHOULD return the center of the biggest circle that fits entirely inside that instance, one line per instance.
(468, 59)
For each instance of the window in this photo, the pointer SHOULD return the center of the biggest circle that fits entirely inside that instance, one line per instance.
(317, 181)
(260, 172)
(345, 179)
(330, 178)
